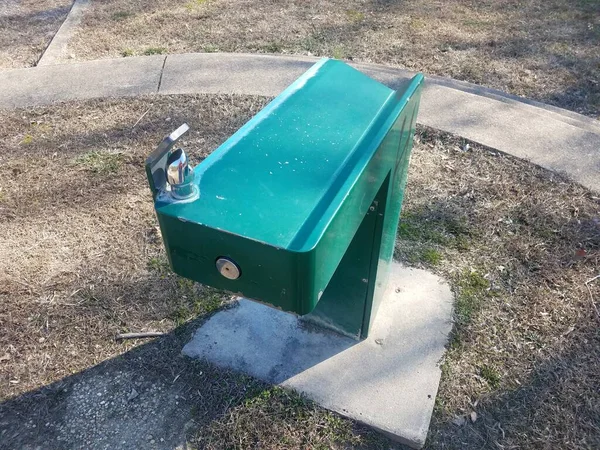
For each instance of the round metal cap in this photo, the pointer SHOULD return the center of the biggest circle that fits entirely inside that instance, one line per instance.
(228, 268)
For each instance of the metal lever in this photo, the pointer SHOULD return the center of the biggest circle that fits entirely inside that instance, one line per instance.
(158, 163)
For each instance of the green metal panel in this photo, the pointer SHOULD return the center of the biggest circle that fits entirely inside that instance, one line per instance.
(305, 198)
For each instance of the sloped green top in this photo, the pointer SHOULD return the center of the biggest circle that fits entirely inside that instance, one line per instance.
(280, 178)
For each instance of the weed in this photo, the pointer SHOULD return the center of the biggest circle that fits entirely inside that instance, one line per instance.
(491, 375)
(27, 139)
(339, 52)
(192, 4)
(471, 288)
(154, 51)
(416, 23)
(262, 398)
(100, 162)
(272, 47)
(423, 232)
(268, 409)
(424, 236)
(121, 15)
(209, 48)
(195, 300)
(126, 52)
(159, 265)
(431, 256)
(473, 23)
(355, 16)
(422, 255)
(423, 226)
(313, 43)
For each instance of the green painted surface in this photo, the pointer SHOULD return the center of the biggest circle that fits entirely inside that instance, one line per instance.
(288, 195)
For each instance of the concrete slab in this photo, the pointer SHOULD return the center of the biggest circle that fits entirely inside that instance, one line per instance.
(94, 79)
(388, 381)
(56, 52)
(236, 74)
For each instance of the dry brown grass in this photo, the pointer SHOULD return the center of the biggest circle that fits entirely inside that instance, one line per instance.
(26, 29)
(544, 50)
(518, 244)
(82, 260)
(82, 257)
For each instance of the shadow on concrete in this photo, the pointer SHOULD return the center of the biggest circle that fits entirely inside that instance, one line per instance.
(148, 397)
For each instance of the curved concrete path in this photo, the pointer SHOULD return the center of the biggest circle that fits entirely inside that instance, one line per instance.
(551, 137)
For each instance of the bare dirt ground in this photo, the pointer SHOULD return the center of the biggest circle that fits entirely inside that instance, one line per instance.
(544, 50)
(82, 260)
(26, 29)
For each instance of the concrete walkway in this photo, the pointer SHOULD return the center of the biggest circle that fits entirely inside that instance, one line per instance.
(551, 137)
(56, 51)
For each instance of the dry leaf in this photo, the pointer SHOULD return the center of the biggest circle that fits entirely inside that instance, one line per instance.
(459, 421)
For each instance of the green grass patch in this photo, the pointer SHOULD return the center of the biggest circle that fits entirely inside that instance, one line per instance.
(100, 162)
(314, 43)
(354, 15)
(417, 231)
(272, 47)
(431, 256)
(339, 52)
(426, 227)
(424, 255)
(491, 375)
(209, 48)
(194, 300)
(471, 289)
(121, 15)
(266, 416)
(126, 52)
(160, 265)
(192, 4)
(154, 51)
(425, 236)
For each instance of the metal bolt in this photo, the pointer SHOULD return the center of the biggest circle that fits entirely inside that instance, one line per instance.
(228, 268)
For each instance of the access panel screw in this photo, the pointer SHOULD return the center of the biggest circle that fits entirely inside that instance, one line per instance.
(228, 268)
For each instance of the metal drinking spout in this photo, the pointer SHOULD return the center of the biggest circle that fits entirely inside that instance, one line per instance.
(169, 172)
(180, 175)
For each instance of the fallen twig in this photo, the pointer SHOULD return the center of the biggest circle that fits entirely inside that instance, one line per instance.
(147, 334)
(587, 285)
(592, 279)
(141, 117)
